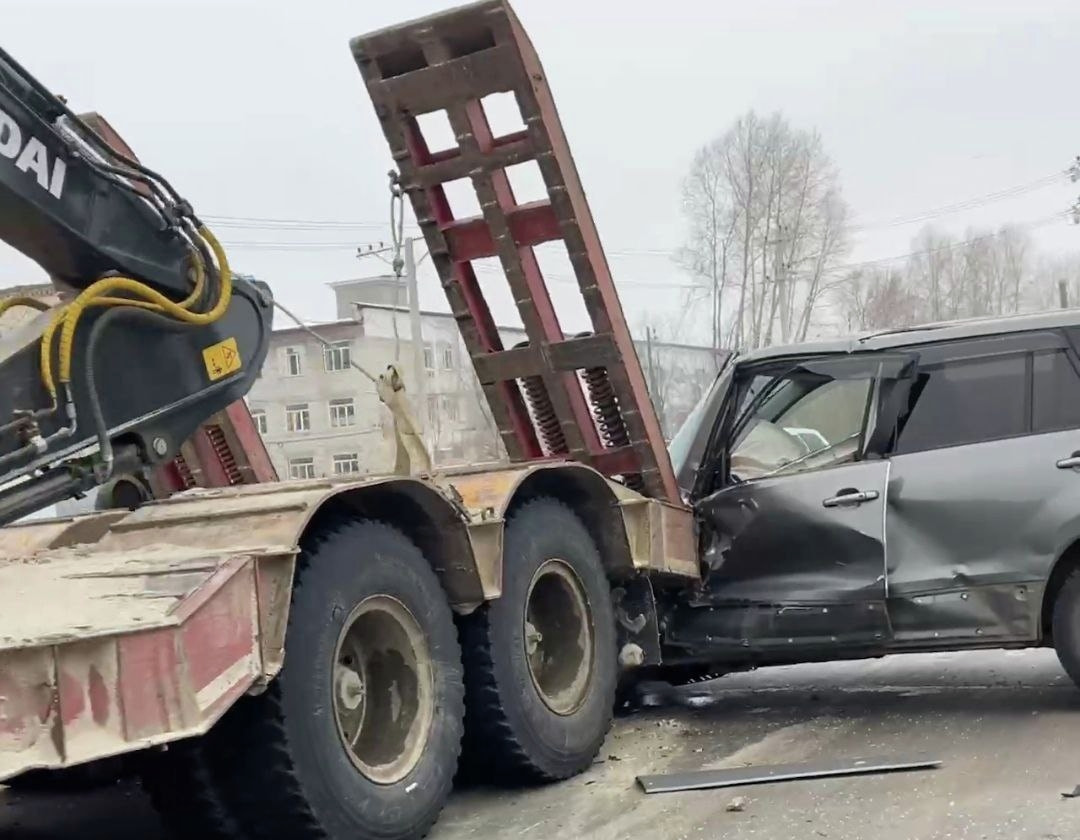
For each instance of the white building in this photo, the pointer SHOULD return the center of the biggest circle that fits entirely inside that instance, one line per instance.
(320, 417)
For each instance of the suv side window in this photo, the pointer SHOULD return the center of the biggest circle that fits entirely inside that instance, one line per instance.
(804, 421)
(1056, 393)
(966, 401)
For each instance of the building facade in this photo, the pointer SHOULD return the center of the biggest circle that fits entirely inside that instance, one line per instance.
(319, 416)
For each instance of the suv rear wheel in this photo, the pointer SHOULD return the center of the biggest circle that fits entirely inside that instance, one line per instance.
(1065, 625)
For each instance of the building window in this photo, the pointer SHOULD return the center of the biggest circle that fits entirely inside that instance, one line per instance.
(450, 408)
(347, 464)
(448, 357)
(298, 418)
(301, 468)
(293, 362)
(259, 416)
(342, 413)
(429, 357)
(336, 356)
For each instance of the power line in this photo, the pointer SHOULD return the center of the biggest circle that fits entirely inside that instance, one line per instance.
(362, 249)
(647, 284)
(967, 204)
(247, 222)
(299, 225)
(1038, 223)
(627, 283)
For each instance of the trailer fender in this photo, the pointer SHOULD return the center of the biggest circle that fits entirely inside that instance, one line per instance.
(635, 534)
(463, 554)
(593, 498)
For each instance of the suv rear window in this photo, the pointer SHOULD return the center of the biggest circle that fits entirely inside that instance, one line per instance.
(1056, 393)
(967, 402)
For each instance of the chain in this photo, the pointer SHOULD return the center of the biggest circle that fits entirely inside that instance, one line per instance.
(326, 343)
(397, 237)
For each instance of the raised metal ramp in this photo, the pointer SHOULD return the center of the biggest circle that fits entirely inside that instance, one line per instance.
(450, 62)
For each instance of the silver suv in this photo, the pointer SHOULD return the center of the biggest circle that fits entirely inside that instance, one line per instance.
(910, 490)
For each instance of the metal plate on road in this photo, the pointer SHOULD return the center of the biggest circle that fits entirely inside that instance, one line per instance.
(732, 777)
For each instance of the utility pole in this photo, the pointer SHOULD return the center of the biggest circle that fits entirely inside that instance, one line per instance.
(412, 286)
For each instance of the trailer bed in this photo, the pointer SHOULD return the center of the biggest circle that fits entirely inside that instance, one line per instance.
(105, 648)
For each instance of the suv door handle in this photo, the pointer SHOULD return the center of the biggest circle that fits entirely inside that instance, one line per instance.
(1070, 462)
(850, 498)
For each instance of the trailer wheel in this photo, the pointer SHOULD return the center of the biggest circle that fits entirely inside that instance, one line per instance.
(182, 788)
(540, 661)
(77, 779)
(360, 734)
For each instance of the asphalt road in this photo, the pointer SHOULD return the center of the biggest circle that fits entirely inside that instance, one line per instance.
(1005, 724)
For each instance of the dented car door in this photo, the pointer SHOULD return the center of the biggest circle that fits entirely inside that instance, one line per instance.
(984, 490)
(794, 538)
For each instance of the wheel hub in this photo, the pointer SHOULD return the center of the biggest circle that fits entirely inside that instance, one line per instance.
(558, 636)
(383, 689)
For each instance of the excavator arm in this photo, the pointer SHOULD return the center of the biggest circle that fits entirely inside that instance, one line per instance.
(155, 336)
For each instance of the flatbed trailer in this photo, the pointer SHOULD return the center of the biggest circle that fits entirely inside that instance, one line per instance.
(149, 624)
(283, 659)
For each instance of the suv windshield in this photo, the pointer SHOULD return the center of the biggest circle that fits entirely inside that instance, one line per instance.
(805, 420)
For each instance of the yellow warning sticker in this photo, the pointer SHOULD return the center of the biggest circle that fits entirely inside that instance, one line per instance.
(221, 359)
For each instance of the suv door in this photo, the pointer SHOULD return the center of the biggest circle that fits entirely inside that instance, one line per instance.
(984, 490)
(794, 539)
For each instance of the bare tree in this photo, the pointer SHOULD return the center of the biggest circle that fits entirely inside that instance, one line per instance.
(877, 299)
(676, 374)
(1047, 277)
(986, 273)
(767, 224)
(712, 229)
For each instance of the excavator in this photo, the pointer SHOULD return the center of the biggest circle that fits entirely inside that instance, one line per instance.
(296, 659)
(156, 336)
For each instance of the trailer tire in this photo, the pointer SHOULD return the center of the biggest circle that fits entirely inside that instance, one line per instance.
(289, 772)
(1065, 626)
(529, 715)
(77, 779)
(183, 790)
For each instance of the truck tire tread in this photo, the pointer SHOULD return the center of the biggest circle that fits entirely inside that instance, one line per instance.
(492, 740)
(183, 791)
(1065, 625)
(260, 747)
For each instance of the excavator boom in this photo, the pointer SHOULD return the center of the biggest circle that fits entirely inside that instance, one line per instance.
(155, 335)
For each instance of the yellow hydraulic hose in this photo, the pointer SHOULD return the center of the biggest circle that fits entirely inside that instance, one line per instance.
(47, 336)
(98, 294)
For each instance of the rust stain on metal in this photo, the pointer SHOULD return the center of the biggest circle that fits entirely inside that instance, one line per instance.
(490, 490)
(72, 698)
(98, 693)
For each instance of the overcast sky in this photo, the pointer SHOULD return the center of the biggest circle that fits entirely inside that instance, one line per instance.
(255, 109)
